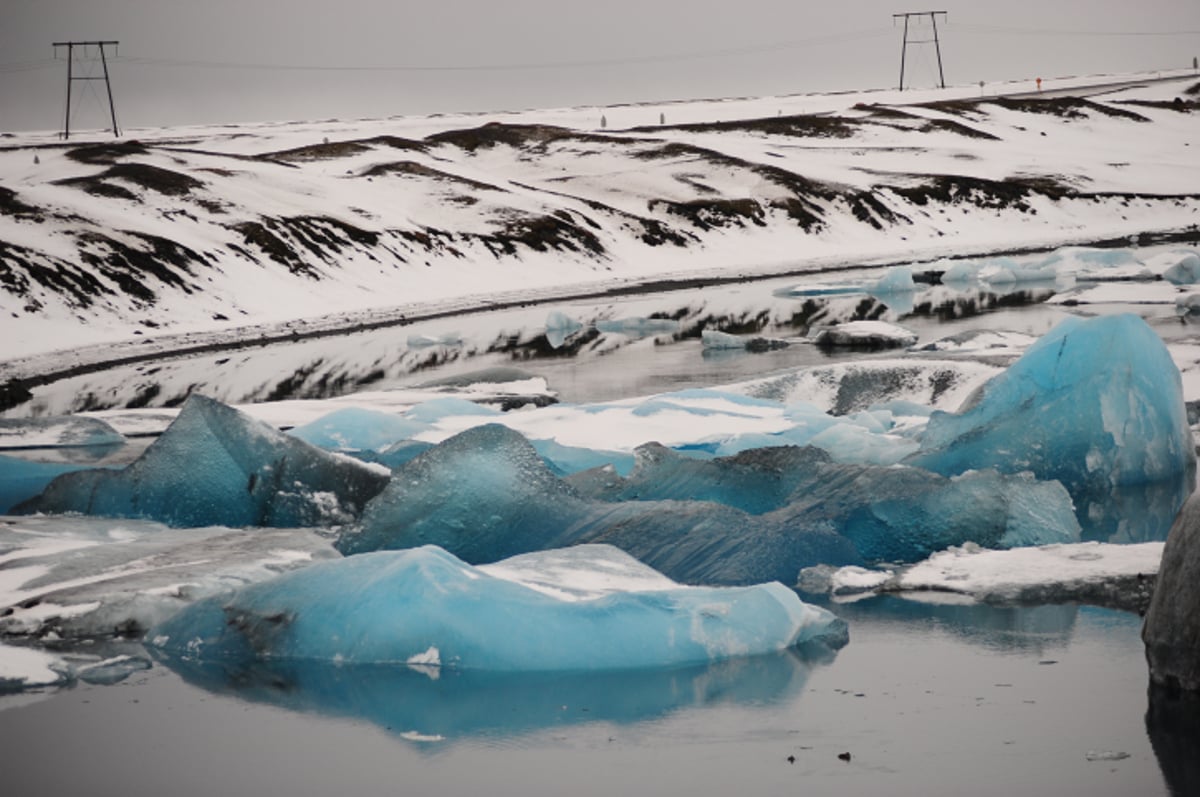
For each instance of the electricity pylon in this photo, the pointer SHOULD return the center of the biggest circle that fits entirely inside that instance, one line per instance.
(937, 46)
(71, 78)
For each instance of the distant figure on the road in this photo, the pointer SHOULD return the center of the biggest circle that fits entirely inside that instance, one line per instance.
(1039, 84)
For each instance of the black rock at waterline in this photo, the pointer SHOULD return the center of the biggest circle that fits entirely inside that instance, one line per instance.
(1172, 628)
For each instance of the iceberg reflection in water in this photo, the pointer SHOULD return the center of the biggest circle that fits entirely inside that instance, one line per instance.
(426, 704)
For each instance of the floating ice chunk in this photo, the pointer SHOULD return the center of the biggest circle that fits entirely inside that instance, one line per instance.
(425, 341)
(217, 466)
(356, 429)
(820, 289)
(981, 341)
(1117, 575)
(904, 514)
(1105, 755)
(565, 460)
(1100, 265)
(1004, 271)
(850, 580)
(849, 442)
(434, 410)
(865, 335)
(1094, 404)
(559, 327)
(112, 670)
(1187, 305)
(1186, 271)
(397, 454)
(26, 668)
(715, 339)
(91, 577)
(898, 279)
(844, 388)
(58, 432)
(723, 341)
(391, 606)
(639, 327)
(961, 272)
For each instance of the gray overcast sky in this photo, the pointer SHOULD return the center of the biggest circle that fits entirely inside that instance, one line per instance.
(216, 61)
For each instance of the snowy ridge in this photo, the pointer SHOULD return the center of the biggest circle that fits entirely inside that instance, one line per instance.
(205, 230)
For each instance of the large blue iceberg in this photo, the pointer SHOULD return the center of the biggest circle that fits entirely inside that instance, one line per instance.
(760, 515)
(425, 608)
(215, 466)
(1095, 404)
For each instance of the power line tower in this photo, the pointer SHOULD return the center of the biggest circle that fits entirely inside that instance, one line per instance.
(72, 77)
(936, 45)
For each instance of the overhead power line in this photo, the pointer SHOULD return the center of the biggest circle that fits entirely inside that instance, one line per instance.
(512, 66)
(1007, 30)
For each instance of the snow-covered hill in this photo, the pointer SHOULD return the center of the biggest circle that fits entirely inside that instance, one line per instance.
(214, 229)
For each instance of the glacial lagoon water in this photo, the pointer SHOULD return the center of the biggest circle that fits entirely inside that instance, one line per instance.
(929, 697)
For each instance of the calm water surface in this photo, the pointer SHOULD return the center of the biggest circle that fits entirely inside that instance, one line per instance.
(926, 699)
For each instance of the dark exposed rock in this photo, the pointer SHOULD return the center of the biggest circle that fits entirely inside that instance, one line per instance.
(1172, 629)
(153, 178)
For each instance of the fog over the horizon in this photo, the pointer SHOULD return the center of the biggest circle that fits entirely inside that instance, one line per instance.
(227, 61)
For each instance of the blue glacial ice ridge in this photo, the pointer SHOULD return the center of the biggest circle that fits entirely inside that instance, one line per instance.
(215, 466)
(485, 495)
(426, 608)
(757, 480)
(888, 513)
(761, 515)
(1094, 404)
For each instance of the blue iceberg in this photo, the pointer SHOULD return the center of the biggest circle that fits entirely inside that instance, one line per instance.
(1185, 271)
(356, 429)
(895, 514)
(215, 466)
(427, 609)
(1094, 404)
(638, 327)
(761, 515)
(70, 431)
(559, 327)
(485, 495)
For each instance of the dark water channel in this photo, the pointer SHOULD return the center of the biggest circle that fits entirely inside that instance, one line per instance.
(629, 346)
